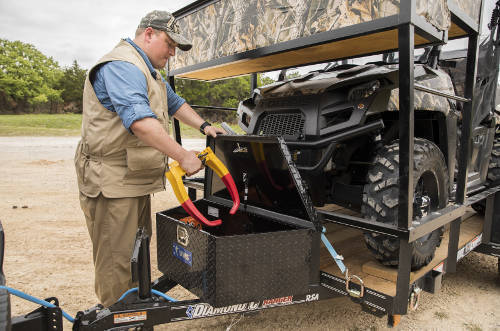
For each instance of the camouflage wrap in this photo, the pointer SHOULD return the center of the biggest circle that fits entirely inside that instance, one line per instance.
(435, 12)
(230, 27)
(471, 7)
(427, 101)
(317, 83)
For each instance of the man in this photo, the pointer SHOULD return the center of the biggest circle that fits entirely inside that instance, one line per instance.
(120, 159)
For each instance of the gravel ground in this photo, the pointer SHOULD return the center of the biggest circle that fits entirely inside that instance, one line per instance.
(48, 253)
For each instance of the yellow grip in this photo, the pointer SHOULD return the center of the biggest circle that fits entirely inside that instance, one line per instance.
(175, 172)
(212, 161)
(174, 176)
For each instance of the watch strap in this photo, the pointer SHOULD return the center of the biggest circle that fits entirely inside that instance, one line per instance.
(203, 126)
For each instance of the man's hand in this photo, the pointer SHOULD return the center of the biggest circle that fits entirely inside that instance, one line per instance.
(213, 131)
(190, 163)
(188, 116)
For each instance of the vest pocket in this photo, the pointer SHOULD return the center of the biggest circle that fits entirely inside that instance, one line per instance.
(145, 165)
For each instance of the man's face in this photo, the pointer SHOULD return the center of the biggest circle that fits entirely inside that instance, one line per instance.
(160, 48)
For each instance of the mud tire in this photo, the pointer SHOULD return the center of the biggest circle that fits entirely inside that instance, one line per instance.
(381, 195)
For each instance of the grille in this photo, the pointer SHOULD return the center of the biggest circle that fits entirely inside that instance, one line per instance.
(282, 124)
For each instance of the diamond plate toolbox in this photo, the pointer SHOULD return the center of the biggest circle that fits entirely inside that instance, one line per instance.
(268, 249)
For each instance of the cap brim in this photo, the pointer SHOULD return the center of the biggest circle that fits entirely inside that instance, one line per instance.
(182, 42)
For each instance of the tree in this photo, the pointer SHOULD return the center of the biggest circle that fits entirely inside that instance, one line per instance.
(221, 93)
(27, 77)
(71, 83)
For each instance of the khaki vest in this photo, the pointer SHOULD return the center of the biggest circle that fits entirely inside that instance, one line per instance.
(109, 159)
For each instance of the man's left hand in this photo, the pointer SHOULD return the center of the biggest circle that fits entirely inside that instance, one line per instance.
(213, 131)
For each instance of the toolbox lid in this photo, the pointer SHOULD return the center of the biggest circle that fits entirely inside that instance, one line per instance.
(267, 180)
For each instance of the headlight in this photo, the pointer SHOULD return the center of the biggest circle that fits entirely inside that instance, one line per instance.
(363, 91)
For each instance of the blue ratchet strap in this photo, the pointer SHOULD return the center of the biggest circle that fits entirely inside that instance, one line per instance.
(337, 258)
(36, 300)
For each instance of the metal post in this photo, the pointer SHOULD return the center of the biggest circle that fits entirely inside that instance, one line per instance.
(406, 135)
(491, 218)
(406, 124)
(454, 236)
(403, 281)
(467, 116)
(192, 193)
(140, 263)
(175, 122)
(253, 82)
(144, 268)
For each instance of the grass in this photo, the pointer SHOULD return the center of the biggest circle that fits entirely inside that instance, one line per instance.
(472, 327)
(441, 315)
(40, 125)
(62, 125)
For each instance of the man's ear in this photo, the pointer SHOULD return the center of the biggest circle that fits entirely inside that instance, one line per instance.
(148, 34)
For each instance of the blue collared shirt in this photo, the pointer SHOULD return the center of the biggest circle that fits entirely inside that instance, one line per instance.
(121, 87)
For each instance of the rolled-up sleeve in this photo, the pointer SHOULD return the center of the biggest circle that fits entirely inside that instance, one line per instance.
(127, 90)
(174, 101)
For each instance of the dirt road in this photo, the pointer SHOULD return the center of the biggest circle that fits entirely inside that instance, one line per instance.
(48, 253)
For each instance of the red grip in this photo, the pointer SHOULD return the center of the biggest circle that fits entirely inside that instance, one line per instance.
(195, 213)
(233, 191)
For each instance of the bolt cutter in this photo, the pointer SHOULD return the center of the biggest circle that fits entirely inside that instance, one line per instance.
(175, 173)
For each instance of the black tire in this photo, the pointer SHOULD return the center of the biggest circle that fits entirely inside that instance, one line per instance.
(493, 177)
(381, 195)
(5, 319)
(4, 309)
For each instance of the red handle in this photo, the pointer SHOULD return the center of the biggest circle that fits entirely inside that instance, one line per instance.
(195, 213)
(233, 191)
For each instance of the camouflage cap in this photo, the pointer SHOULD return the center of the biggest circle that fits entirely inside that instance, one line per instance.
(165, 21)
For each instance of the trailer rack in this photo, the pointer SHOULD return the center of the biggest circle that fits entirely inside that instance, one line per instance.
(379, 290)
(404, 31)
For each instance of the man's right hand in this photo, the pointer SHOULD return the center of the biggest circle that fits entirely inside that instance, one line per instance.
(190, 163)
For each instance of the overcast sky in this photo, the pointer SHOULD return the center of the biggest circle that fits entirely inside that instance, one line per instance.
(83, 30)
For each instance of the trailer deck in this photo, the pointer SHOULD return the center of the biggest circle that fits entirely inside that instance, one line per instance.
(349, 243)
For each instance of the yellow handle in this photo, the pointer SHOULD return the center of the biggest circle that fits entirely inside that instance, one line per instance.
(174, 176)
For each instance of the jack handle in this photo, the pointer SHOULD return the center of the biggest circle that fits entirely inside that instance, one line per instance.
(175, 173)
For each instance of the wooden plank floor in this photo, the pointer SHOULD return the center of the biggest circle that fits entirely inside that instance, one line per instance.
(349, 243)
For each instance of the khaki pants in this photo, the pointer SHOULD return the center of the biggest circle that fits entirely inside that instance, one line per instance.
(112, 225)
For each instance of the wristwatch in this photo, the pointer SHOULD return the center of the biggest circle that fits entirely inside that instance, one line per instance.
(203, 126)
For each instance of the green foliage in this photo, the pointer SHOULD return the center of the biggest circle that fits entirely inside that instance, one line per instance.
(71, 83)
(264, 80)
(293, 74)
(27, 77)
(222, 93)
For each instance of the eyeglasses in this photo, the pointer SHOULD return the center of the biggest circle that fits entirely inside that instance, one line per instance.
(170, 45)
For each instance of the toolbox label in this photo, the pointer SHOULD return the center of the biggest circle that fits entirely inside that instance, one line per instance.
(183, 254)
(212, 211)
(130, 317)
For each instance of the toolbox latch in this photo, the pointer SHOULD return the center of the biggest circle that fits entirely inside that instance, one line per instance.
(182, 236)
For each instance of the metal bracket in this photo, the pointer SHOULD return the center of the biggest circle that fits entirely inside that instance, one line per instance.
(415, 298)
(352, 292)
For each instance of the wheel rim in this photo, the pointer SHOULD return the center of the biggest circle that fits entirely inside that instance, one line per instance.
(425, 200)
